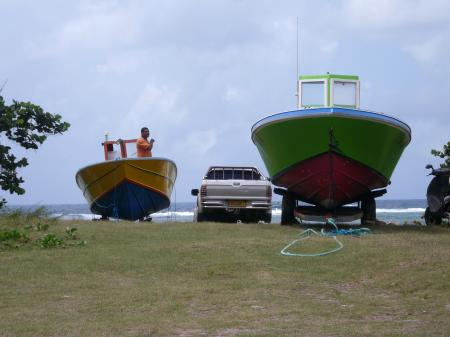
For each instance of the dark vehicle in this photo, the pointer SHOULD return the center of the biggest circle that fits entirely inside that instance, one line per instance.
(438, 196)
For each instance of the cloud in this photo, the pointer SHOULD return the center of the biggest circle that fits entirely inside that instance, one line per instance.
(330, 47)
(199, 143)
(157, 107)
(429, 50)
(231, 94)
(94, 27)
(122, 63)
(384, 15)
(200, 73)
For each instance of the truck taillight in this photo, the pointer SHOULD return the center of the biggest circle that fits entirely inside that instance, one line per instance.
(203, 191)
(269, 192)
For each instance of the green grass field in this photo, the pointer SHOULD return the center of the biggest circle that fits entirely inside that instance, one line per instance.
(217, 279)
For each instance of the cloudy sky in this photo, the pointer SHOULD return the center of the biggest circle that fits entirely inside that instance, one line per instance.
(201, 73)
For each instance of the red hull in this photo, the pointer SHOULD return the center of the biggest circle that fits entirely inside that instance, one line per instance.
(330, 180)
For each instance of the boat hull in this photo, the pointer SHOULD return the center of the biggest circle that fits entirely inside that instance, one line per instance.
(128, 189)
(330, 156)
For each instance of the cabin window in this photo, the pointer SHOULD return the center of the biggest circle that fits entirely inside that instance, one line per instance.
(211, 174)
(313, 93)
(219, 174)
(233, 173)
(215, 173)
(344, 93)
(238, 174)
(227, 174)
(256, 175)
(248, 175)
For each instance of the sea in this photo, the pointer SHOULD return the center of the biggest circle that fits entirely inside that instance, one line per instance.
(390, 211)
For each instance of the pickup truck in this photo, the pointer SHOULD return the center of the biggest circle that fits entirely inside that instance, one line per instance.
(233, 192)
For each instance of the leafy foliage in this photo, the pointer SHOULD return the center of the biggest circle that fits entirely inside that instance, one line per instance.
(13, 234)
(50, 240)
(13, 238)
(70, 233)
(28, 125)
(444, 154)
(19, 228)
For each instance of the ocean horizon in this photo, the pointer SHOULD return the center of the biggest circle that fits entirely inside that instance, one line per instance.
(397, 211)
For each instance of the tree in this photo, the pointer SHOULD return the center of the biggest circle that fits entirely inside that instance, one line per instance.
(444, 154)
(27, 125)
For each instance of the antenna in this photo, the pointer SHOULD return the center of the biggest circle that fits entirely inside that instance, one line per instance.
(296, 75)
(297, 45)
(3, 85)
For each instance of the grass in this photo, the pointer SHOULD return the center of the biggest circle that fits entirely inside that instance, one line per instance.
(216, 279)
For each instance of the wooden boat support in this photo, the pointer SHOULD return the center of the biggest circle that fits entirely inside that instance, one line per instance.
(365, 209)
(371, 194)
(318, 214)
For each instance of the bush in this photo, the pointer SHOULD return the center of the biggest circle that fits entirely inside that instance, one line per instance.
(18, 228)
(50, 240)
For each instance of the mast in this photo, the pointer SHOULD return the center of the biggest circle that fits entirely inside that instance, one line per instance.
(297, 73)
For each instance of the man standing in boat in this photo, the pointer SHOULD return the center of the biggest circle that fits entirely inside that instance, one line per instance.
(143, 146)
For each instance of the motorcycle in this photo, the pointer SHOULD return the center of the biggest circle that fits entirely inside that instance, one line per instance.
(438, 196)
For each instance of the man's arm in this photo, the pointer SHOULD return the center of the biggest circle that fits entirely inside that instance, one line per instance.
(143, 145)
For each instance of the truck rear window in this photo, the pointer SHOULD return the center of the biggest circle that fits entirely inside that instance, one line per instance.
(233, 173)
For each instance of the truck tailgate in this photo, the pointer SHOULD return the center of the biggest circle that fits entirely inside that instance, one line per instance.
(243, 189)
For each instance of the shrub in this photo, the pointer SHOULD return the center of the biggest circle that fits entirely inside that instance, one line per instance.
(50, 240)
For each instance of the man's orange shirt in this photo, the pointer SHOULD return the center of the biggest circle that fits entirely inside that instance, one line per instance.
(143, 147)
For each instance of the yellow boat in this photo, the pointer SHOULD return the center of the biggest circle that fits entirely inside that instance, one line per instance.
(127, 188)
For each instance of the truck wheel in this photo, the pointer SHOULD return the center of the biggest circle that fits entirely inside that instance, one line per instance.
(267, 217)
(428, 217)
(287, 210)
(264, 216)
(201, 217)
(369, 209)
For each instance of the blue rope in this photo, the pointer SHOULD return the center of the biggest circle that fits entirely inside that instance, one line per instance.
(337, 231)
(334, 233)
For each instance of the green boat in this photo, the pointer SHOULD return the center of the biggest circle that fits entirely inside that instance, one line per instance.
(329, 153)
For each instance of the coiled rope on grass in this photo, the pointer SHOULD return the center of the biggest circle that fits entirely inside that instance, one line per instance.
(333, 233)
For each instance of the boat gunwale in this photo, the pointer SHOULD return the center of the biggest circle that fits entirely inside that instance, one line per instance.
(332, 111)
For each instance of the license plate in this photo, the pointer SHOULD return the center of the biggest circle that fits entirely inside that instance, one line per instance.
(237, 203)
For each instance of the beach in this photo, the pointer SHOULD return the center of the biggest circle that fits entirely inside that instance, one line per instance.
(395, 211)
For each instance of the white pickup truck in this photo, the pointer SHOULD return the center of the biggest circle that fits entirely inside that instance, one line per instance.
(233, 193)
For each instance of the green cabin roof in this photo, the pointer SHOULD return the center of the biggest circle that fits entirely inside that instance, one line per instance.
(329, 76)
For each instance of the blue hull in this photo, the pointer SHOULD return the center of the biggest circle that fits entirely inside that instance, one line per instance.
(129, 201)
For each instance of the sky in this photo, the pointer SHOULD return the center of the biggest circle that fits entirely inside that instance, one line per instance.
(199, 74)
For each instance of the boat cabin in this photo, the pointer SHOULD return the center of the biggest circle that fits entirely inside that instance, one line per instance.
(329, 90)
(119, 149)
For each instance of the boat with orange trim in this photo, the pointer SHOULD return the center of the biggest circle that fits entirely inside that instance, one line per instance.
(127, 188)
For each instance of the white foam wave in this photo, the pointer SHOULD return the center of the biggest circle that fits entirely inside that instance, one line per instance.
(277, 211)
(171, 214)
(190, 214)
(75, 216)
(400, 210)
(96, 216)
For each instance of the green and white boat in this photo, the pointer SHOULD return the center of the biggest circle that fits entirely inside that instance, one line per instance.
(329, 152)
